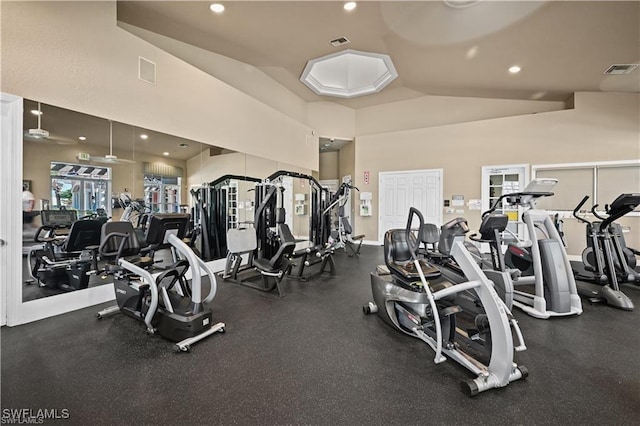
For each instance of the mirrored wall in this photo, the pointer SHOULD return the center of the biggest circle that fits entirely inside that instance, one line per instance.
(91, 168)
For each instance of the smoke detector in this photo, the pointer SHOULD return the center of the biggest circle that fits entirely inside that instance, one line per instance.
(618, 69)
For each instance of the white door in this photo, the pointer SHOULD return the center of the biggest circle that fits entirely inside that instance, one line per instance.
(398, 191)
(500, 180)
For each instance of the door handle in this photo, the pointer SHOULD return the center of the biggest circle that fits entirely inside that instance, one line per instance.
(2, 242)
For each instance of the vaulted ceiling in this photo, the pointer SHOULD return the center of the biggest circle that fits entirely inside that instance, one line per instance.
(449, 48)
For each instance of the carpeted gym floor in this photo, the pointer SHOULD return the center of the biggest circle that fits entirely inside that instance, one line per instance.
(312, 357)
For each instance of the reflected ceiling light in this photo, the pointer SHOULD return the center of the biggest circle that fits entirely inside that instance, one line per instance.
(82, 138)
(350, 5)
(144, 136)
(461, 4)
(514, 69)
(216, 8)
(472, 52)
(36, 112)
(349, 73)
(165, 153)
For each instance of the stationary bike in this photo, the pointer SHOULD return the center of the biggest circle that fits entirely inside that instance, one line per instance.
(416, 300)
(168, 303)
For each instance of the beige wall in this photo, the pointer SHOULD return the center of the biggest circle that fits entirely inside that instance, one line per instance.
(430, 111)
(602, 127)
(329, 165)
(72, 54)
(331, 120)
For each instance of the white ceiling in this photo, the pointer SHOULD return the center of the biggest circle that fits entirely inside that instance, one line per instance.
(561, 46)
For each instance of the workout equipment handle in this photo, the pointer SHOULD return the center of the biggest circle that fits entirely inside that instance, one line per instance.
(413, 248)
(521, 345)
(577, 209)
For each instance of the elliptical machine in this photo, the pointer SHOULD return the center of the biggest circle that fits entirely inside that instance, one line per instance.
(549, 270)
(168, 303)
(415, 299)
(604, 259)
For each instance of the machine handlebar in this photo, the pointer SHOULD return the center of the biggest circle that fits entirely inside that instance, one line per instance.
(413, 244)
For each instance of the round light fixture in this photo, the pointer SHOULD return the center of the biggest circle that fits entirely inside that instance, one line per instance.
(350, 5)
(514, 69)
(82, 138)
(216, 7)
(144, 136)
(165, 153)
(36, 112)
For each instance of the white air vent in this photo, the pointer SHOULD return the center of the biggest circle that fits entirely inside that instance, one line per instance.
(618, 69)
(146, 70)
(340, 41)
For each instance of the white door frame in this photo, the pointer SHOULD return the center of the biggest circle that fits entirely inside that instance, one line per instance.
(11, 280)
(440, 173)
(10, 206)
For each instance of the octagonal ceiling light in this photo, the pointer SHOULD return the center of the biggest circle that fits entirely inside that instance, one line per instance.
(349, 73)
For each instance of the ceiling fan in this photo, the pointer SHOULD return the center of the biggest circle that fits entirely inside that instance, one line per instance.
(41, 135)
(110, 158)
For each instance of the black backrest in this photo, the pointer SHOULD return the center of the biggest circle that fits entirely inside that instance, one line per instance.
(429, 234)
(83, 233)
(281, 215)
(346, 225)
(396, 248)
(286, 248)
(110, 246)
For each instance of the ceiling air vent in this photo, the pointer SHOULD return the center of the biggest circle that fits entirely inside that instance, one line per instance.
(618, 69)
(340, 41)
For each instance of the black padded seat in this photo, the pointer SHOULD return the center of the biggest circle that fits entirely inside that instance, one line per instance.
(397, 257)
(83, 233)
(119, 240)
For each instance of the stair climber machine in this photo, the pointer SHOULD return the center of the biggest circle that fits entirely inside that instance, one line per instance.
(546, 287)
(177, 312)
(417, 300)
(604, 260)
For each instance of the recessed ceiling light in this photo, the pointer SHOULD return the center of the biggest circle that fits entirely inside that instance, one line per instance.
(327, 144)
(165, 153)
(184, 145)
(82, 138)
(216, 8)
(144, 136)
(36, 112)
(350, 5)
(514, 69)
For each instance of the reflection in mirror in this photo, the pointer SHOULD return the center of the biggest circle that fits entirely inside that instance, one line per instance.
(81, 169)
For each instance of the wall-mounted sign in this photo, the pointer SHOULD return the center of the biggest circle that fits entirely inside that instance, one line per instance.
(366, 177)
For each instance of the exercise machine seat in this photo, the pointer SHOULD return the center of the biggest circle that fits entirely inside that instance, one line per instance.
(397, 256)
(119, 240)
(83, 234)
(279, 261)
